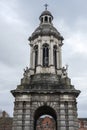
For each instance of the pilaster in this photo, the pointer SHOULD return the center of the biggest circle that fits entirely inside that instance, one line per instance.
(51, 53)
(31, 56)
(33, 59)
(60, 55)
(39, 52)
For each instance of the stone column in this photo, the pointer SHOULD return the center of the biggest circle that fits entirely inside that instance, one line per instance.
(58, 116)
(31, 56)
(39, 52)
(32, 119)
(62, 123)
(51, 54)
(33, 59)
(15, 117)
(27, 116)
(17, 120)
(41, 55)
(75, 121)
(66, 115)
(60, 58)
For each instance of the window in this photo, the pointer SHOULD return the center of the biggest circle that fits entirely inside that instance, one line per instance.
(46, 19)
(55, 56)
(50, 19)
(36, 55)
(45, 55)
(41, 20)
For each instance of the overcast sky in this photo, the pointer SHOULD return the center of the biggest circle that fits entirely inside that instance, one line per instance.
(18, 19)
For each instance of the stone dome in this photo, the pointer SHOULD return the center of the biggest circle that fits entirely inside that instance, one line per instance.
(46, 30)
(46, 27)
(46, 12)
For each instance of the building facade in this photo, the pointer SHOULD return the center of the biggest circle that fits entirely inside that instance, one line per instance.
(5, 121)
(45, 88)
(46, 123)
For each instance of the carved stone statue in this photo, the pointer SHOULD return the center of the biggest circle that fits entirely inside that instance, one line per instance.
(26, 73)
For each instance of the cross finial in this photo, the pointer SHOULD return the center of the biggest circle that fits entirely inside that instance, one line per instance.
(46, 5)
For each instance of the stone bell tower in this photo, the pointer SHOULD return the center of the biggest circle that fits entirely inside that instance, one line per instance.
(45, 88)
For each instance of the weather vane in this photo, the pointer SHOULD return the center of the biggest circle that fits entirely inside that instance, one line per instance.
(46, 5)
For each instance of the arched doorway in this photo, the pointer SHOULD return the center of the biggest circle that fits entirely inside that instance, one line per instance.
(46, 122)
(45, 119)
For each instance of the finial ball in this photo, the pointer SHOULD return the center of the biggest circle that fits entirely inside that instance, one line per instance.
(46, 5)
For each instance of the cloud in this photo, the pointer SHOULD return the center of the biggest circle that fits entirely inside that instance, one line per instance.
(6, 102)
(13, 44)
(77, 42)
(75, 55)
(13, 34)
(18, 19)
(82, 105)
(7, 11)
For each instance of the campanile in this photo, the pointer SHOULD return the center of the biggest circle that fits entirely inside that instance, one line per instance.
(45, 88)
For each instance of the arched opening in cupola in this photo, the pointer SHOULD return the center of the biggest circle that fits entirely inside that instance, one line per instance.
(46, 19)
(45, 55)
(42, 20)
(50, 19)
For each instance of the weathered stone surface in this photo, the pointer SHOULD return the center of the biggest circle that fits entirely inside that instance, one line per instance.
(45, 88)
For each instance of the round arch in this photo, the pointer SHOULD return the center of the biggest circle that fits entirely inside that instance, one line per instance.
(44, 110)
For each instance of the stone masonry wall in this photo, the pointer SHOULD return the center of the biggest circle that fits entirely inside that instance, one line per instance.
(64, 106)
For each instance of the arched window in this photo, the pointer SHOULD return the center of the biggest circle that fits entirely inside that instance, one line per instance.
(55, 55)
(50, 19)
(46, 19)
(36, 55)
(45, 55)
(42, 20)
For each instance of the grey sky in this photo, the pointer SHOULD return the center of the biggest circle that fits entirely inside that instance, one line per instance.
(18, 19)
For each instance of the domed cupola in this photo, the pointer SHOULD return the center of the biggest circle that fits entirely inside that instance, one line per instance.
(46, 17)
(46, 43)
(46, 27)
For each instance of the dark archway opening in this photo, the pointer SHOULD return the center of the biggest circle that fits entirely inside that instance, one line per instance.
(45, 55)
(36, 56)
(47, 114)
(46, 19)
(55, 55)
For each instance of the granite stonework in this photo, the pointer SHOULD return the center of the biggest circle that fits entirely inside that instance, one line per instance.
(45, 90)
(52, 97)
